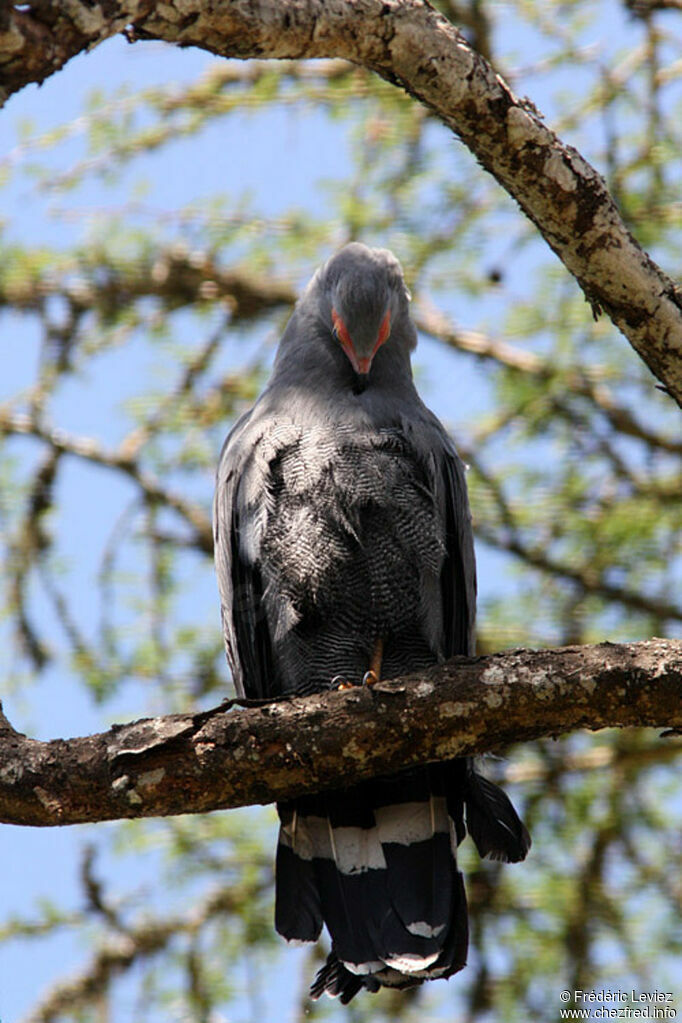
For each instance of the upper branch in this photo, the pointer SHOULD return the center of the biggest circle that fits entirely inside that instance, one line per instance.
(224, 758)
(412, 45)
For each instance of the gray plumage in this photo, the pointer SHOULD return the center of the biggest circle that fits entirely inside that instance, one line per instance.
(341, 521)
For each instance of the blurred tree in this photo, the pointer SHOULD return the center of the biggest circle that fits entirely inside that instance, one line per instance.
(131, 342)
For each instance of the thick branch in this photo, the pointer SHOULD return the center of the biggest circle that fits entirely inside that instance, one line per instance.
(412, 45)
(226, 758)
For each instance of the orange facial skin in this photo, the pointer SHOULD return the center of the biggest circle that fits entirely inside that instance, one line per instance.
(361, 365)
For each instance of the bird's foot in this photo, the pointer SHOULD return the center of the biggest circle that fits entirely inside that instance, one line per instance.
(340, 682)
(370, 678)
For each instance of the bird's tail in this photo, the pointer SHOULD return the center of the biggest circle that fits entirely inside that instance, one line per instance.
(377, 864)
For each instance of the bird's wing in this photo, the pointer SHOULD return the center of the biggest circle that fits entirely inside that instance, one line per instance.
(492, 821)
(458, 577)
(246, 631)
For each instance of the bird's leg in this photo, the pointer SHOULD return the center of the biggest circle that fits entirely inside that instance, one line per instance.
(372, 676)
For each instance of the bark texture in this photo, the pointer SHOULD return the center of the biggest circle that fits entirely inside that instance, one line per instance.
(228, 757)
(410, 44)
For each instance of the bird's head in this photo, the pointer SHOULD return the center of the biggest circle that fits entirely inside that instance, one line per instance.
(367, 300)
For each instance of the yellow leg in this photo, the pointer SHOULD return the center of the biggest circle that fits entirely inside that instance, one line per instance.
(374, 674)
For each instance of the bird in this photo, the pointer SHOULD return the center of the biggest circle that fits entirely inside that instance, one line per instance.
(344, 555)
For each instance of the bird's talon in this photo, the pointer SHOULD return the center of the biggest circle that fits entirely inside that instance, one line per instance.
(370, 678)
(339, 682)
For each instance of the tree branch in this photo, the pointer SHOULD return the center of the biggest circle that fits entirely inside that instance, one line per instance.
(411, 45)
(123, 949)
(121, 459)
(585, 380)
(223, 758)
(176, 276)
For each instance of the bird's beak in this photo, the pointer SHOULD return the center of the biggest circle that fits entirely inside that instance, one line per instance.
(361, 364)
